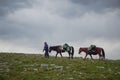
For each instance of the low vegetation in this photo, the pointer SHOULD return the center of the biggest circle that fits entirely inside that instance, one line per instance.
(35, 67)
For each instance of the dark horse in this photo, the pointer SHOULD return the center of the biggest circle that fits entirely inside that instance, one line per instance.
(99, 51)
(60, 50)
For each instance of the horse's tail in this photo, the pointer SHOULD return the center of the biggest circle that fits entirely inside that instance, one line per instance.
(72, 51)
(103, 53)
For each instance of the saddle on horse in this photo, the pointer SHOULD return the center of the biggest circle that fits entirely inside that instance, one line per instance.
(92, 49)
(66, 47)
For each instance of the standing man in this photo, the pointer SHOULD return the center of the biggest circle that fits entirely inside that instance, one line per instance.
(46, 50)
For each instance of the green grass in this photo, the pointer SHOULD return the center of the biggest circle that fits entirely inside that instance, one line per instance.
(28, 67)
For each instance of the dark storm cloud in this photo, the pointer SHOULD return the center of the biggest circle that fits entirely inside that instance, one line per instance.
(76, 8)
(98, 5)
(11, 31)
(7, 6)
(29, 24)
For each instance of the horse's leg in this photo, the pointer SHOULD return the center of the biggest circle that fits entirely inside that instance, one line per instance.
(56, 55)
(91, 56)
(100, 56)
(69, 54)
(61, 54)
(85, 56)
(72, 56)
(72, 53)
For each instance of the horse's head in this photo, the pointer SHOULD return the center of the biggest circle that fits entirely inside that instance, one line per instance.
(49, 49)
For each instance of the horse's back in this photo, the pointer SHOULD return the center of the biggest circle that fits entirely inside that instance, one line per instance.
(55, 46)
(99, 48)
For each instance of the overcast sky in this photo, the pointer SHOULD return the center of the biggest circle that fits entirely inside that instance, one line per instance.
(26, 24)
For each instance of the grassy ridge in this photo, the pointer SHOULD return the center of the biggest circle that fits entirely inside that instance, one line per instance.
(29, 67)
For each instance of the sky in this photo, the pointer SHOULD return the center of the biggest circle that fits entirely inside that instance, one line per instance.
(26, 24)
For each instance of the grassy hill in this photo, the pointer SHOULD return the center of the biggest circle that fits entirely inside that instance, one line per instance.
(36, 67)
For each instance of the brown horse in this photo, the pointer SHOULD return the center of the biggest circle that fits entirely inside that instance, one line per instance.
(99, 51)
(60, 50)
